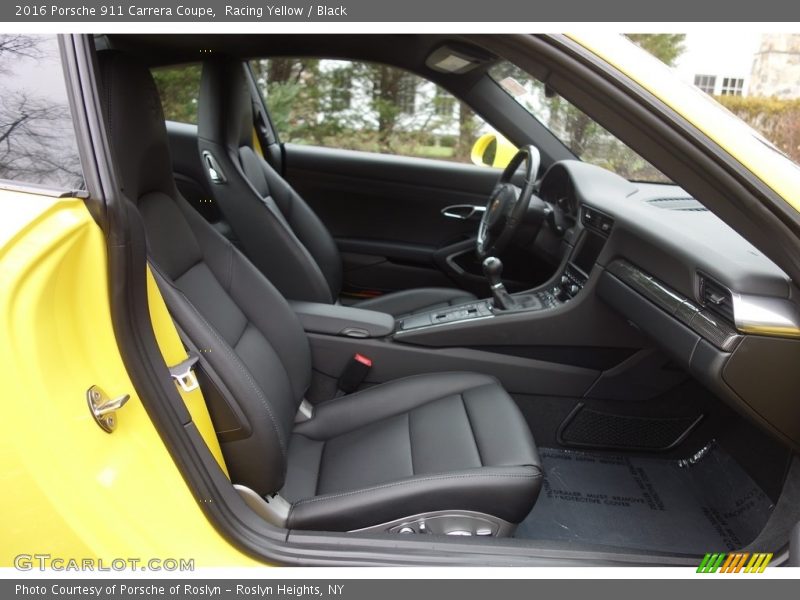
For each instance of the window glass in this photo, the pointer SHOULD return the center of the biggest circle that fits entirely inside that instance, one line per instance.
(365, 106)
(577, 131)
(38, 139)
(179, 88)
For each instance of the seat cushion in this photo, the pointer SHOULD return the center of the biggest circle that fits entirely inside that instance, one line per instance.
(409, 302)
(443, 441)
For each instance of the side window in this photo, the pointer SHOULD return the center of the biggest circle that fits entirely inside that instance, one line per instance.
(179, 88)
(37, 138)
(365, 106)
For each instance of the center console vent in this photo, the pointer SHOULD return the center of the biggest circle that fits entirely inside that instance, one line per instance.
(716, 297)
(594, 219)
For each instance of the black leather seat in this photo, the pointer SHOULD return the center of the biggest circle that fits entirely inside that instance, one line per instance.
(277, 230)
(411, 446)
(414, 446)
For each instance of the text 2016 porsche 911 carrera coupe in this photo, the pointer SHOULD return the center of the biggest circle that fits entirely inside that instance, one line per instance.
(390, 299)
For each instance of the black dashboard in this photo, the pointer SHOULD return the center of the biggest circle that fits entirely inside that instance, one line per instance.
(641, 267)
(665, 231)
(701, 292)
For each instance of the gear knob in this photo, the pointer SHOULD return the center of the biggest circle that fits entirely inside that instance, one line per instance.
(493, 269)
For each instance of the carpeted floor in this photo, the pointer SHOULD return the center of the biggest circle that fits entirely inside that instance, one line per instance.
(647, 503)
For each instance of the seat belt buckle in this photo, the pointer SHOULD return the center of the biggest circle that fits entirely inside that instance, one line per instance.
(183, 375)
(354, 373)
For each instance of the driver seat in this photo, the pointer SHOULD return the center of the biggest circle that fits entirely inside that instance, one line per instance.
(439, 447)
(278, 231)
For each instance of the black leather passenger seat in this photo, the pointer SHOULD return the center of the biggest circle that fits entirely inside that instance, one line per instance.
(278, 230)
(449, 446)
(446, 439)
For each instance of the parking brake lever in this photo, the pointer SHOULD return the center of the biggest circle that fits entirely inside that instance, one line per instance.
(493, 269)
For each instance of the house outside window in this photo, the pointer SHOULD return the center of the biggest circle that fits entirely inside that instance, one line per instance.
(341, 92)
(444, 104)
(732, 86)
(706, 82)
(407, 94)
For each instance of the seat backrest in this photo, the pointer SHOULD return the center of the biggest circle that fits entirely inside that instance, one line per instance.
(244, 328)
(276, 228)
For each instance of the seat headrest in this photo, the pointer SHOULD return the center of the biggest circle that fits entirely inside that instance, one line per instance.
(225, 111)
(134, 119)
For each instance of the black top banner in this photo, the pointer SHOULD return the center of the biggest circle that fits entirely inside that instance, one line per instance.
(440, 11)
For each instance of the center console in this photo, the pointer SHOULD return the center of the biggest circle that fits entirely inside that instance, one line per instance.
(564, 287)
(525, 346)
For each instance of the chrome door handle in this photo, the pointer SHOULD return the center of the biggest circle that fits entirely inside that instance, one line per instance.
(463, 212)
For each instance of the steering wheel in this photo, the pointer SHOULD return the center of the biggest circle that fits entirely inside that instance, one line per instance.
(508, 204)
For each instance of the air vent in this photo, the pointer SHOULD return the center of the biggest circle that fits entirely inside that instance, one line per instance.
(684, 204)
(716, 297)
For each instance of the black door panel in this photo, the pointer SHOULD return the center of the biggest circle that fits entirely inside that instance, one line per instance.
(388, 198)
(374, 266)
(386, 212)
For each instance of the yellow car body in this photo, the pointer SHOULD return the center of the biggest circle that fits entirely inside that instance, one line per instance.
(74, 491)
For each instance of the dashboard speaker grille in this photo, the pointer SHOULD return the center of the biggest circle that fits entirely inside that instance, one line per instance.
(588, 428)
(685, 204)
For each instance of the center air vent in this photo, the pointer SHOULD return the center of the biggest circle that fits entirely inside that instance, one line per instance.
(716, 297)
(685, 204)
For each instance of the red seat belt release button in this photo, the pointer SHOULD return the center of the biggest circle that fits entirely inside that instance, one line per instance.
(354, 373)
(363, 359)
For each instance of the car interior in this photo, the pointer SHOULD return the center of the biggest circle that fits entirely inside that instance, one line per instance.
(546, 354)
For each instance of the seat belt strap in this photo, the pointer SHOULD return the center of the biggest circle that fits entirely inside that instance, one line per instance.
(173, 350)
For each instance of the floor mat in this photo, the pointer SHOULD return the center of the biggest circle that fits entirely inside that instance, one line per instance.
(647, 503)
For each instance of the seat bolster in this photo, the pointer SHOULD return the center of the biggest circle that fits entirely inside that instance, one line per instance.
(408, 302)
(501, 433)
(505, 492)
(279, 232)
(340, 415)
(307, 226)
(268, 435)
(264, 233)
(302, 473)
(256, 297)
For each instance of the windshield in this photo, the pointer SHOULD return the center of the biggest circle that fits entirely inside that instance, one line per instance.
(585, 138)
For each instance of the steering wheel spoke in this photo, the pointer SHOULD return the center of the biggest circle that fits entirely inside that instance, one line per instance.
(508, 203)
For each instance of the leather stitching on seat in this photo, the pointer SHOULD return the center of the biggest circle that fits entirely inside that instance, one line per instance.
(402, 379)
(410, 441)
(319, 467)
(237, 361)
(247, 325)
(471, 429)
(536, 475)
(333, 401)
(230, 266)
(243, 370)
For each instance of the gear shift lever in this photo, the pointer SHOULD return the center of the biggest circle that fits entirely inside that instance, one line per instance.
(493, 269)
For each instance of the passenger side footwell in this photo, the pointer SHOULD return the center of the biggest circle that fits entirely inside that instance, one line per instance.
(647, 503)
